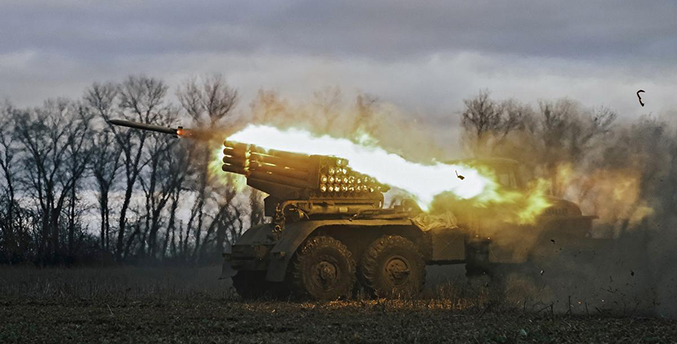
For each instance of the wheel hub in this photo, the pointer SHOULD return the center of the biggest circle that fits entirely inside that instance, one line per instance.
(326, 274)
(397, 270)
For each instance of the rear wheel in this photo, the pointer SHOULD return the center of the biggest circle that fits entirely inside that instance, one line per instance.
(392, 266)
(323, 269)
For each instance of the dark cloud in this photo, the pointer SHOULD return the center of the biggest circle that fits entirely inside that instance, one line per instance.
(389, 30)
(424, 55)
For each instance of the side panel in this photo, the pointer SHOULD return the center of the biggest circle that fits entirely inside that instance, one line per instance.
(448, 244)
(296, 233)
(249, 250)
(255, 235)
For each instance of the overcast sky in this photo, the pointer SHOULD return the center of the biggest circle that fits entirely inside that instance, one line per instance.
(425, 56)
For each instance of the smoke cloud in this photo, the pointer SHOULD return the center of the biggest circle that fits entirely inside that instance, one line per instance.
(620, 171)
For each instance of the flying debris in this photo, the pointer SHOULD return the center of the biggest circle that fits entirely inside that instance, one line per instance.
(640, 98)
(459, 176)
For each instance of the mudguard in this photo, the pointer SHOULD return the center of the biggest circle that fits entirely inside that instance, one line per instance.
(243, 255)
(296, 233)
(259, 234)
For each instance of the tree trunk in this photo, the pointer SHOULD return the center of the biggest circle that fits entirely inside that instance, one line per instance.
(119, 249)
(71, 223)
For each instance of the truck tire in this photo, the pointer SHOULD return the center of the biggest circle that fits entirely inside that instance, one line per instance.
(392, 266)
(251, 284)
(323, 269)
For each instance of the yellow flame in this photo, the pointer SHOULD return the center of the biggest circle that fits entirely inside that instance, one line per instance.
(499, 203)
(535, 201)
(613, 194)
(423, 182)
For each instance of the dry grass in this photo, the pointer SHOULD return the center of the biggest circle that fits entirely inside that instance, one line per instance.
(190, 305)
(112, 283)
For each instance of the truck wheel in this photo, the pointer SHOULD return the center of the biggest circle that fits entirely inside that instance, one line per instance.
(392, 266)
(323, 269)
(250, 284)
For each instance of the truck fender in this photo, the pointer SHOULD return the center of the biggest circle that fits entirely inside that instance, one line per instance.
(284, 250)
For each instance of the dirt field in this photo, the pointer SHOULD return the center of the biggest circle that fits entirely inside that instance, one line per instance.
(182, 305)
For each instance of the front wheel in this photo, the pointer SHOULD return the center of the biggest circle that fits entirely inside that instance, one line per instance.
(323, 269)
(392, 266)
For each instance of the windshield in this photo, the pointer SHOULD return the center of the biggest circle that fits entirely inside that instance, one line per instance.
(506, 177)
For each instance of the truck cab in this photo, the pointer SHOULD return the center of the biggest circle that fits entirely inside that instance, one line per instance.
(561, 224)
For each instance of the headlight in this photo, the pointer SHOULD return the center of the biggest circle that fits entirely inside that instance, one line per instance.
(260, 251)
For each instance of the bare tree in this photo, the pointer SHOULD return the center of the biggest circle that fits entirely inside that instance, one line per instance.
(138, 98)
(328, 102)
(595, 123)
(230, 229)
(567, 132)
(365, 110)
(105, 166)
(180, 163)
(268, 107)
(164, 173)
(209, 103)
(487, 122)
(169, 243)
(212, 99)
(106, 152)
(559, 132)
(78, 157)
(8, 156)
(48, 135)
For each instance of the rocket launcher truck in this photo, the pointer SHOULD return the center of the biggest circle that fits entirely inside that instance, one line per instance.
(329, 233)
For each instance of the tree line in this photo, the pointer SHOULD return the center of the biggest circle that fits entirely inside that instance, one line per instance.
(74, 188)
(623, 170)
(63, 165)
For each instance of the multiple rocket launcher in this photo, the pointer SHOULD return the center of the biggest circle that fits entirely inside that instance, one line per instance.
(287, 175)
